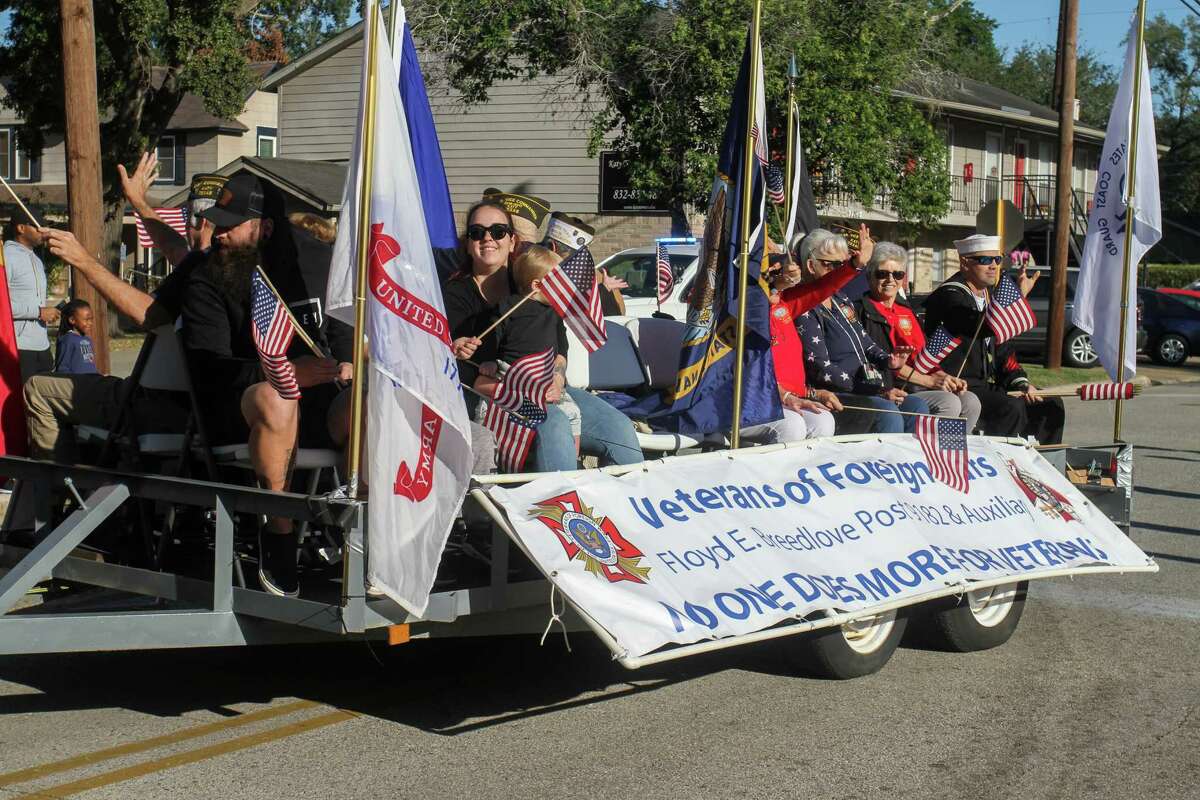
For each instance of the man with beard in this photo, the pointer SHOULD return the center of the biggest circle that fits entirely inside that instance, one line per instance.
(236, 402)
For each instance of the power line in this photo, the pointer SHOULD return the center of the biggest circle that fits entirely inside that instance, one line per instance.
(1190, 7)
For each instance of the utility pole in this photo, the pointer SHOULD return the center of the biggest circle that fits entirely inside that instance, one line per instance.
(1055, 328)
(85, 201)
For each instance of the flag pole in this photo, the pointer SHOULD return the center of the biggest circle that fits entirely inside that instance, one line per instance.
(367, 138)
(789, 177)
(747, 164)
(1130, 209)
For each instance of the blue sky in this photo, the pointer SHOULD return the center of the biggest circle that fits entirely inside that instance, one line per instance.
(1102, 23)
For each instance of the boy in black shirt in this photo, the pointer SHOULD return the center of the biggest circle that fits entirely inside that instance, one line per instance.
(531, 328)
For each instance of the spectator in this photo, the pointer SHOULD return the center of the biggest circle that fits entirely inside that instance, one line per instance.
(991, 370)
(841, 357)
(471, 297)
(893, 326)
(27, 291)
(75, 355)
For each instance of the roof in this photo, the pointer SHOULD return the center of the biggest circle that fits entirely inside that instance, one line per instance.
(191, 114)
(315, 56)
(316, 183)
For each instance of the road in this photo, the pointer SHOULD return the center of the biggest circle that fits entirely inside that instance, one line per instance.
(1096, 696)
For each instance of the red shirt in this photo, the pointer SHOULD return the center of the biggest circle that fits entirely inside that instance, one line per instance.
(787, 351)
(903, 328)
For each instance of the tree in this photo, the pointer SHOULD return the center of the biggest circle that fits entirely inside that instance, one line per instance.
(661, 73)
(149, 54)
(1029, 73)
(1174, 54)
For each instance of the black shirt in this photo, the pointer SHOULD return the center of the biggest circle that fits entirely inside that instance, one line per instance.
(531, 328)
(468, 314)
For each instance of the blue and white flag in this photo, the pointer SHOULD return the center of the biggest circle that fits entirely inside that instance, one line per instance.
(1098, 295)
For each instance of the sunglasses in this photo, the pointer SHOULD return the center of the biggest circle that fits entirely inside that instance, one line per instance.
(883, 275)
(834, 262)
(498, 231)
(987, 261)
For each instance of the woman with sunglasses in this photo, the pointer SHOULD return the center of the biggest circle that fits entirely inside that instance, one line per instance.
(889, 321)
(471, 297)
(839, 355)
(990, 370)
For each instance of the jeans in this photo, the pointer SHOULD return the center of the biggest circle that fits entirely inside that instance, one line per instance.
(795, 426)
(948, 404)
(880, 423)
(607, 434)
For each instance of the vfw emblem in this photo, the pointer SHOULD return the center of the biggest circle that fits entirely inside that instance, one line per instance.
(1043, 497)
(593, 540)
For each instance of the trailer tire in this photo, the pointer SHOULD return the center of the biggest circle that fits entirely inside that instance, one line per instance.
(852, 650)
(978, 620)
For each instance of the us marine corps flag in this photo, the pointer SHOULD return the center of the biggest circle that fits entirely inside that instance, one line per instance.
(419, 452)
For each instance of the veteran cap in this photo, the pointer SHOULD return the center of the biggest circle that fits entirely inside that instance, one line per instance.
(206, 187)
(570, 231)
(527, 211)
(978, 243)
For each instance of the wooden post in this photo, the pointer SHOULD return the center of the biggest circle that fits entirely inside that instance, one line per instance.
(1056, 326)
(85, 198)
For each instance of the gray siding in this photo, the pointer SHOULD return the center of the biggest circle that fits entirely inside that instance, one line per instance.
(318, 108)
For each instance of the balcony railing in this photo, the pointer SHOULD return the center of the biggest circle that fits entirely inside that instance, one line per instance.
(1034, 195)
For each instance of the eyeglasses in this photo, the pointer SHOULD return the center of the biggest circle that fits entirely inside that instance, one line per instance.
(831, 262)
(498, 231)
(987, 261)
(883, 275)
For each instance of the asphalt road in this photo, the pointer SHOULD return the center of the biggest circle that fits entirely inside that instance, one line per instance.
(1096, 696)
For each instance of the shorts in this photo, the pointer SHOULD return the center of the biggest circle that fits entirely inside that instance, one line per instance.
(226, 425)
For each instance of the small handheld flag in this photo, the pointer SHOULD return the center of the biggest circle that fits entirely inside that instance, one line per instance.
(571, 290)
(1108, 391)
(273, 331)
(666, 277)
(775, 183)
(174, 218)
(1008, 313)
(940, 345)
(944, 442)
(519, 407)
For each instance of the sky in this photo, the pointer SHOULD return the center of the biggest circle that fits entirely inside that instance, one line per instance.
(1103, 24)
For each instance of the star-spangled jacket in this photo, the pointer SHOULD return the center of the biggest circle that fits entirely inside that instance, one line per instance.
(952, 304)
(834, 346)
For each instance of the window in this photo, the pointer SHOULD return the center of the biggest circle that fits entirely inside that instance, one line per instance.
(268, 141)
(166, 159)
(640, 271)
(15, 164)
(6, 138)
(22, 166)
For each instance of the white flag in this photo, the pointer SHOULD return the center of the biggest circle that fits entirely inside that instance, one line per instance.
(1098, 294)
(418, 438)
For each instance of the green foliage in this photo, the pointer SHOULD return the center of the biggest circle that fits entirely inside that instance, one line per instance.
(1173, 276)
(1174, 54)
(963, 43)
(1029, 73)
(301, 24)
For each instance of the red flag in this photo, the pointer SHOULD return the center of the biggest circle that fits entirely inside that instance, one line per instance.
(14, 437)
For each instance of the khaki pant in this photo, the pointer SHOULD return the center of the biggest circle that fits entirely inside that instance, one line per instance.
(57, 402)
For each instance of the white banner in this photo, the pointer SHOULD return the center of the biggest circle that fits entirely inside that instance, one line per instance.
(418, 433)
(1098, 296)
(701, 547)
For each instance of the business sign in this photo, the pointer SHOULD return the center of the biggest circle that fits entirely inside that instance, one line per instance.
(616, 193)
(707, 547)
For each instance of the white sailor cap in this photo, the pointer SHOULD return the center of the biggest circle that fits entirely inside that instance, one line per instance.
(978, 243)
(571, 231)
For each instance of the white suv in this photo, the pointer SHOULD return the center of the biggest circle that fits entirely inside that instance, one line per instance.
(639, 267)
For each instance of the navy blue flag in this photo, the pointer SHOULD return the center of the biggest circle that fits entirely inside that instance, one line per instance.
(427, 153)
(702, 398)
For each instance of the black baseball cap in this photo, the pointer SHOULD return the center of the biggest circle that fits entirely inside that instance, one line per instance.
(19, 216)
(241, 198)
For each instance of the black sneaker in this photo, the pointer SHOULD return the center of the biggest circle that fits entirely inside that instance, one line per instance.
(277, 564)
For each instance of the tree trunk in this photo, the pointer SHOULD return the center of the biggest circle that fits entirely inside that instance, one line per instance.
(110, 253)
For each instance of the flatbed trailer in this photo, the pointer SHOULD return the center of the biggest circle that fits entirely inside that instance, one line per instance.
(157, 609)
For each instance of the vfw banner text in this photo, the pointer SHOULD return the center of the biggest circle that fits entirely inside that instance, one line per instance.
(711, 546)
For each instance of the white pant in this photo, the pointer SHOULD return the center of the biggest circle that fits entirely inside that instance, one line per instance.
(796, 426)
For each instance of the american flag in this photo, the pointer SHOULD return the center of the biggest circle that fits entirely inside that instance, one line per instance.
(944, 441)
(519, 406)
(940, 345)
(273, 331)
(774, 176)
(1106, 391)
(1008, 313)
(571, 289)
(174, 217)
(666, 277)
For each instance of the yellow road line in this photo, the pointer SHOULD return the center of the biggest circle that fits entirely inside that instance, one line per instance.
(189, 757)
(33, 773)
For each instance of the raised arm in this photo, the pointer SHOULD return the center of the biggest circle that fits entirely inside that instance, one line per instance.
(136, 186)
(807, 296)
(129, 300)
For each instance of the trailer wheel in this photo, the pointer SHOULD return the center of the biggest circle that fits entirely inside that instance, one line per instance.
(979, 620)
(852, 650)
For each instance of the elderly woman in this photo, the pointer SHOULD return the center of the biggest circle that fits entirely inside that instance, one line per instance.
(894, 327)
(839, 355)
(471, 297)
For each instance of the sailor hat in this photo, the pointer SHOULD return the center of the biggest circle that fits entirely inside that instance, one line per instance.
(570, 231)
(978, 243)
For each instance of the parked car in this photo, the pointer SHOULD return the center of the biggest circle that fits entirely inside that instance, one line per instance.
(1185, 292)
(638, 266)
(1172, 323)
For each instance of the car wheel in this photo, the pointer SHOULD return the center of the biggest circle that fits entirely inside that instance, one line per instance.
(978, 620)
(1171, 350)
(852, 650)
(1077, 350)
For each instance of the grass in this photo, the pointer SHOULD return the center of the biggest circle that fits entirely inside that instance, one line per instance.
(1040, 376)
